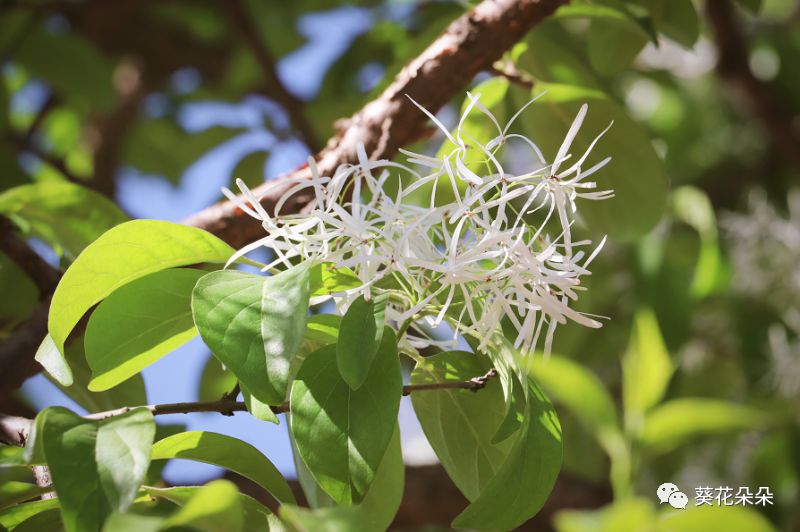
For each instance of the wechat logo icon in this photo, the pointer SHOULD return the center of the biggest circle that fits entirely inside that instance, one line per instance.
(671, 494)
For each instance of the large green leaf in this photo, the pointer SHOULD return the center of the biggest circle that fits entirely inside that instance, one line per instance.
(676, 422)
(228, 452)
(253, 516)
(360, 336)
(375, 513)
(96, 466)
(138, 324)
(521, 485)
(65, 215)
(677, 19)
(254, 325)
(646, 368)
(123, 254)
(13, 516)
(460, 424)
(342, 434)
(635, 173)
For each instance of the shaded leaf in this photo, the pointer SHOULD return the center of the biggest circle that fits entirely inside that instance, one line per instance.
(342, 434)
(254, 325)
(459, 424)
(521, 486)
(360, 334)
(375, 513)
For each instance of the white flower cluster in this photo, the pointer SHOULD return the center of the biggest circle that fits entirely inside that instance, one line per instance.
(499, 247)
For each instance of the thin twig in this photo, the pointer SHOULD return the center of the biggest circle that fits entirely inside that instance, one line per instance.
(227, 406)
(508, 70)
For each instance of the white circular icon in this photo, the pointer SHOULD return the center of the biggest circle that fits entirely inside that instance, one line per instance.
(678, 500)
(665, 490)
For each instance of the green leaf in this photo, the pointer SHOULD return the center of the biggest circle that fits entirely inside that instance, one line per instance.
(96, 466)
(693, 206)
(253, 515)
(326, 279)
(53, 362)
(525, 479)
(578, 389)
(13, 492)
(342, 434)
(20, 294)
(254, 325)
(704, 518)
(215, 381)
(65, 215)
(130, 392)
(11, 517)
(677, 19)
(626, 514)
(215, 507)
(360, 336)
(228, 452)
(614, 43)
(323, 328)
(646, 368)
(636, 173)
(677, 422)
(123, 254)
(375, 513)
(133, 522)
(138, 324)
(459, 424)
(257, 409)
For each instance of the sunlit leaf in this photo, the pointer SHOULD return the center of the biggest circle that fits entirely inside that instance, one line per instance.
(228, 452)
(123, 254)
(138, 324)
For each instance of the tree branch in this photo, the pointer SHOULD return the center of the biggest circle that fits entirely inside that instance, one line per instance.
(275, 89)
(733, 66)
(471, 44)
(41, 273)
(228, 406)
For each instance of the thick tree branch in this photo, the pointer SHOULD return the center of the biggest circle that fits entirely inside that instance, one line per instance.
(471, 44)
(227, 406)
(733, 66)
(274, 88)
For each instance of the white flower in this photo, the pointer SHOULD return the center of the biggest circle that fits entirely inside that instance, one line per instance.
(473, 263)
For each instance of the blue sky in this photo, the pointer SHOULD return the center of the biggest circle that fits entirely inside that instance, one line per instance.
(175, 377)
